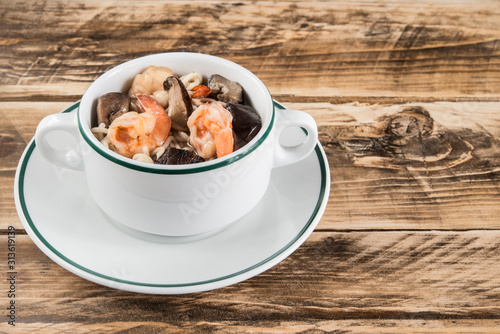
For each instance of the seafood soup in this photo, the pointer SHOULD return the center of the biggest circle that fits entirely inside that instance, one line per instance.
(168, 119)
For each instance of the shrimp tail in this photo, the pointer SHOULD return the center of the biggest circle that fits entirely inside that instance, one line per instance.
(211, 131)
(163, 121)
(224, 142)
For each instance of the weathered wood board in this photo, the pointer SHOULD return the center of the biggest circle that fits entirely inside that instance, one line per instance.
(406, 95)
(446, 178)
(406, 281)
(341, 52)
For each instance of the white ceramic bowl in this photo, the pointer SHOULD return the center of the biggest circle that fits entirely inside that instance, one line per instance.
(177, 200)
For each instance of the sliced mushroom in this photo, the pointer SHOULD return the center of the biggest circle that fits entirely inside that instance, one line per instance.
(246, 123)
(111, 106)
(175, 156)
(225, 90)
(179, 103)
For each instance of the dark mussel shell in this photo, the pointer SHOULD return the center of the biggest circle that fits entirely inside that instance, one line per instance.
(175, 156)
(246, 123)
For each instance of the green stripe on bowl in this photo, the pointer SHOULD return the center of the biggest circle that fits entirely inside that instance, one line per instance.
(196, 168)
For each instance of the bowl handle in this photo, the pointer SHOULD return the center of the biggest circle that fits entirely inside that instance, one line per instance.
(304, 126)
(69, 156)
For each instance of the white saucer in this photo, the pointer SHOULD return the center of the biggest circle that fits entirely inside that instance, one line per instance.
(64, 222)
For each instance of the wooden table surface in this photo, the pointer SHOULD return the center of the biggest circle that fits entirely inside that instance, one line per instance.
(406, 95)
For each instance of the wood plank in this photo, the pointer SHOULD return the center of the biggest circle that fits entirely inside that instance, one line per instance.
(328, 326)
(320, 50)
(15, 133)
(447, 178)
(406, 96)
(373, 185)
(400, 281)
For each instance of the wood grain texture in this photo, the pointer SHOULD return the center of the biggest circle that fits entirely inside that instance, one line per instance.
(378, 183)
(406, 96)
(322, 50)
(359, 280)
(374, 186)
(296, 327)
(15, 134)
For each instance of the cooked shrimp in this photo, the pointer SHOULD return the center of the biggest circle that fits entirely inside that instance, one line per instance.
(150, 82)
(134, 133)
(211, 131)
(131, 133)
(163, 121)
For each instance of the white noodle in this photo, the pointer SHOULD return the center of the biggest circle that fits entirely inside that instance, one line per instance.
(143, 157)
(168, 141)
(181, 137)
(100, 132)
(191, 80)
(175, 143)
(158, 152)
(105, 142)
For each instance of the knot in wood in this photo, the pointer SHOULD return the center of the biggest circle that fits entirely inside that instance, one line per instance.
(411, 123)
